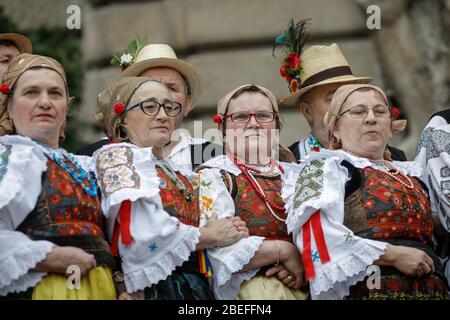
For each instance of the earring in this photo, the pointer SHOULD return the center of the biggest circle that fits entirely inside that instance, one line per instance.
(122, 132)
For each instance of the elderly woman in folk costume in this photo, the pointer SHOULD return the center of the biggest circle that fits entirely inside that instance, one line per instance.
(246, 183)
(50, 214)
(152, 209)
(351, 208)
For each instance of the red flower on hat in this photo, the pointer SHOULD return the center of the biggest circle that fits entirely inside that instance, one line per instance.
(4, 88)
(119, 108)
(292, 60)
(218, 118)
(395, 112)
(283, 71)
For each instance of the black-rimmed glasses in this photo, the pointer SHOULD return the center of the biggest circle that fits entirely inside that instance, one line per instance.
(152, 107)
(244, 117)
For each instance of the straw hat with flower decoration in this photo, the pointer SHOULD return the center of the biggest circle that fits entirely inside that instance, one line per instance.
(305, 69)
(140, 56)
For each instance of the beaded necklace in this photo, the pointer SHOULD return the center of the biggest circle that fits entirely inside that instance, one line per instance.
(392, 171)
(247, 172)
(79, 175)
(181, 186)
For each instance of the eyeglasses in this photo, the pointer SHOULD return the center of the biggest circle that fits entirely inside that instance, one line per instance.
(152, 107)
(361, 112)
(244, 117)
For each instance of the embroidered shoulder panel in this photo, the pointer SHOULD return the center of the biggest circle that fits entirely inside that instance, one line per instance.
(116, 170)
(309, 184)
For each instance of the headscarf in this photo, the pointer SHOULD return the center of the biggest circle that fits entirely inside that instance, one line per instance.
(222, 105)
(337, 102)
(112, 103)
(17, 67)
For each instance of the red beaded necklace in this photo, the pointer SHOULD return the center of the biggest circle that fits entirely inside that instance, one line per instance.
(246, 171)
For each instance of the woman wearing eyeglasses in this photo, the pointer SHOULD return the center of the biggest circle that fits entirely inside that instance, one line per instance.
(362, 222)
(246, 183)
(152, 209)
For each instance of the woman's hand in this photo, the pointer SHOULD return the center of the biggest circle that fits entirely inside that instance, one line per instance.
(239, 224)
(410, 261)
(290, 269)
(60, 258)
(221, 232)
(131, 296)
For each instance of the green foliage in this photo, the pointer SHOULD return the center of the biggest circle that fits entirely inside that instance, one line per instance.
(65, 46)
(132, 49)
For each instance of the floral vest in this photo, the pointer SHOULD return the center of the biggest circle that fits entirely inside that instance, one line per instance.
(67, 216)
(253, 210)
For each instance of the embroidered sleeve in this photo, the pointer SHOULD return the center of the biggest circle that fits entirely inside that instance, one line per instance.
(116, 170)
(437, 175)
(306, 189)
(160, 242)
(19, 254)
(227, 262)
(333, 256)
(124, 172)
(21, 172)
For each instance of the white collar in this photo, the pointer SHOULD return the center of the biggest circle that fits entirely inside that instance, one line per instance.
(185, 141)
(223, 162)
(410, 168)
(27, 141)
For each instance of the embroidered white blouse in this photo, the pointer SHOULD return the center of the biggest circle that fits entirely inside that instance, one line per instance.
(160, 241)
(433, 155)
(320, 185)
(23, 162)
(227, 262)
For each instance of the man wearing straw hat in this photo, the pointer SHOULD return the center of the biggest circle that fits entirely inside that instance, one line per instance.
(11, 45)
(159, 62)
(321, 71)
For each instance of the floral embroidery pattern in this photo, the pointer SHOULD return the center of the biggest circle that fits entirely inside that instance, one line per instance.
(115, 170)
(5, 152)
(393, 211)
(309, 183)
(428, 287)
(176, 204)
(253, 210)
(64, 209)
(206, 203)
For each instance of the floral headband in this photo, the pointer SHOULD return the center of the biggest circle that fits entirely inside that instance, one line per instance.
(128, 56)
(293, 39)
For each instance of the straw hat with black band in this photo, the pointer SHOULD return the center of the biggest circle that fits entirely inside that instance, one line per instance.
(321, 65)
(162, 55)
(22, 43)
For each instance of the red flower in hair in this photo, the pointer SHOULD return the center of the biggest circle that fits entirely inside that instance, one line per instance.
(218, 118)
(395, 112)
(4, 88)
(292, 60)
(119, 108)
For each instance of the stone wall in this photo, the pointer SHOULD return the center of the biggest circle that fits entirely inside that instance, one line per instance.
(230, 42)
